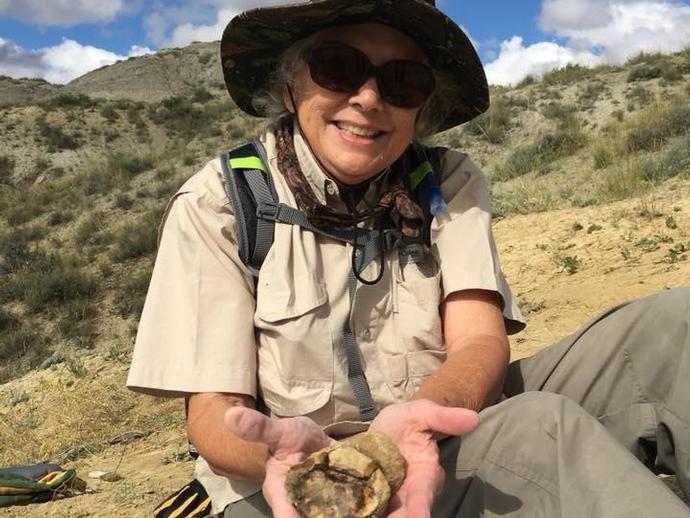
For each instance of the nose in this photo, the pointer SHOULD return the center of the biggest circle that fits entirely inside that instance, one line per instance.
(367, 97)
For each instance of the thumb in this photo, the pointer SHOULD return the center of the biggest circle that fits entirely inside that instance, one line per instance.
(251, 425)
(449, 420)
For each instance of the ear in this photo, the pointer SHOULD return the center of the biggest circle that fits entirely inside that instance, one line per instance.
(288, 99)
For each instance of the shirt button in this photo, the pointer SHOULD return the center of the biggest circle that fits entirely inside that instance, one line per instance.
(330, 189)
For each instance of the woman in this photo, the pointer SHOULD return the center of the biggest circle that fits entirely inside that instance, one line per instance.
(413, 343)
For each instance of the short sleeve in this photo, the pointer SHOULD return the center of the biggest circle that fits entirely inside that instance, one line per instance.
(464, 245)
(196, 332)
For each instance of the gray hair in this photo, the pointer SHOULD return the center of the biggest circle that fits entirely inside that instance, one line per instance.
(270, 102)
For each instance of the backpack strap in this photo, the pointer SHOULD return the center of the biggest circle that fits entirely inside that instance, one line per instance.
(246, 192)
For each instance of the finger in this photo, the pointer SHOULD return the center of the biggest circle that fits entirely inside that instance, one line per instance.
(449, 420)
(419, 504)
(280, 504)
(297, 434)
(251, 425)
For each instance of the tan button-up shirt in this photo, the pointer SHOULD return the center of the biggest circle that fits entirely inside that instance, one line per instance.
(207, 327)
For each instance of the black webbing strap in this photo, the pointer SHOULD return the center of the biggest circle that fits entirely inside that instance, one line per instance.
(250, 160)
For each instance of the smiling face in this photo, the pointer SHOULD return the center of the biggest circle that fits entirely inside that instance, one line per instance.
(356, 135)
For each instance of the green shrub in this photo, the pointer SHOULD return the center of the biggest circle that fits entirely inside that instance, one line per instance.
(7, 321)
(109, 113)
(675, 161)
(6, 169)
(78, 325)
(671, 74)
(205, 58)
(58, 287)
(590, 93)
(127, 165)
(71, 100)
(14, 248)
(558, 111)
(656, 125)
(89, 230)
(123, 201)
(561, 143)
(55, 138)
(644, 72)
(201, 95)
(494, 124)
(132, 294)
(529, 80)
(60, 217)
(49, 281)
(136, 239)
(567, 75)
(639, 93)
(19, 342)
(602, 154)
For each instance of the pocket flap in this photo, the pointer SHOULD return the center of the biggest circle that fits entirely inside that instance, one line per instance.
(279, 299)
(297, 399)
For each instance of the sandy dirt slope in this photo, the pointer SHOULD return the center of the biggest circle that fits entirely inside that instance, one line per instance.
(618, 252)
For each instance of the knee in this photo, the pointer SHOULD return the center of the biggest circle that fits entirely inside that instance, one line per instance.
(672, 306)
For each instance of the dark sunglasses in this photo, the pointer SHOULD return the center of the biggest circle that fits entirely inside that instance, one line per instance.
(341, 68)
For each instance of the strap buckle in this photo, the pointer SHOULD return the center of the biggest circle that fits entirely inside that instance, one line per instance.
(268, 211)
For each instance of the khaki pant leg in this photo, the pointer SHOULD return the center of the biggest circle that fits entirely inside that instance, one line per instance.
(630, 368)
(540, 454)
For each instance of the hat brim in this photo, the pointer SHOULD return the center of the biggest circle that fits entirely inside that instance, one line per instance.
(254, 41)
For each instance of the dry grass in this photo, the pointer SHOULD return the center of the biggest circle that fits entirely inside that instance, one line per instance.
(54, 422)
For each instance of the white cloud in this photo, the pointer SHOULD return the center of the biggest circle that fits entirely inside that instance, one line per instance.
(60, 63)
(619, 28)
(61, 12)
(204, 20)
(515, 61)
(186, 33)
(593, 32)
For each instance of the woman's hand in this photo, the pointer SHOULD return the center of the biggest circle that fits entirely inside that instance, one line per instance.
(289, 442)
(414, 427)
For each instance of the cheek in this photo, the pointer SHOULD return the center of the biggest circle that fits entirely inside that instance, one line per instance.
(406, 123)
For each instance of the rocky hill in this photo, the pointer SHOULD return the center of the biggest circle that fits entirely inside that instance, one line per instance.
(154, 77)
(24, 91)
(590, 177)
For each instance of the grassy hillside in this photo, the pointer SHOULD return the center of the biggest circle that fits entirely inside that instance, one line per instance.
(86, 169)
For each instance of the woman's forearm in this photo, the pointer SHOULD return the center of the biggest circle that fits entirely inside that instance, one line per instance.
(471, 377)
(225, 453)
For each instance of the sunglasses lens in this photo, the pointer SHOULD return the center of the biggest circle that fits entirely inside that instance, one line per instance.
(406, 84)
(341, 68)
(337, 67)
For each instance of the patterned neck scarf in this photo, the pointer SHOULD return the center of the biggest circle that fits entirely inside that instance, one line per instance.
(395, 204)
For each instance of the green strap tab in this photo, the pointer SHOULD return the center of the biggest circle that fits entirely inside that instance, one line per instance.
(247, 162)
(419, 174)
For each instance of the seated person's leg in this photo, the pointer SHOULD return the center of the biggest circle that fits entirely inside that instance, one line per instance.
(630, 368)
(540, 454)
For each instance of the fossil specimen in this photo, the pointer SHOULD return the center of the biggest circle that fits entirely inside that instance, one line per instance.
(352, 478)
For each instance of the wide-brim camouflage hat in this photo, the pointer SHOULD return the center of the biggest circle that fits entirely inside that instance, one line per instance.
(254, 41)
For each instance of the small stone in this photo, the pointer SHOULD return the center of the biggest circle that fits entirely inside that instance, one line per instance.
(107, 476)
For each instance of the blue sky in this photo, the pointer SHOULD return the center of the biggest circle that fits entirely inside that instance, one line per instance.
(515, 38)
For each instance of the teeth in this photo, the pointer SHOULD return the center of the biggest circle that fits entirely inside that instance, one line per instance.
(358, 131)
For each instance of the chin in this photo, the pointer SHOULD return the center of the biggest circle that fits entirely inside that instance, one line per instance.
(352, 173)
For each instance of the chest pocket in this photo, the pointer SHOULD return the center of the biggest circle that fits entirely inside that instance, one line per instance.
(417, 296)
(418, 350)
(295, 343)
